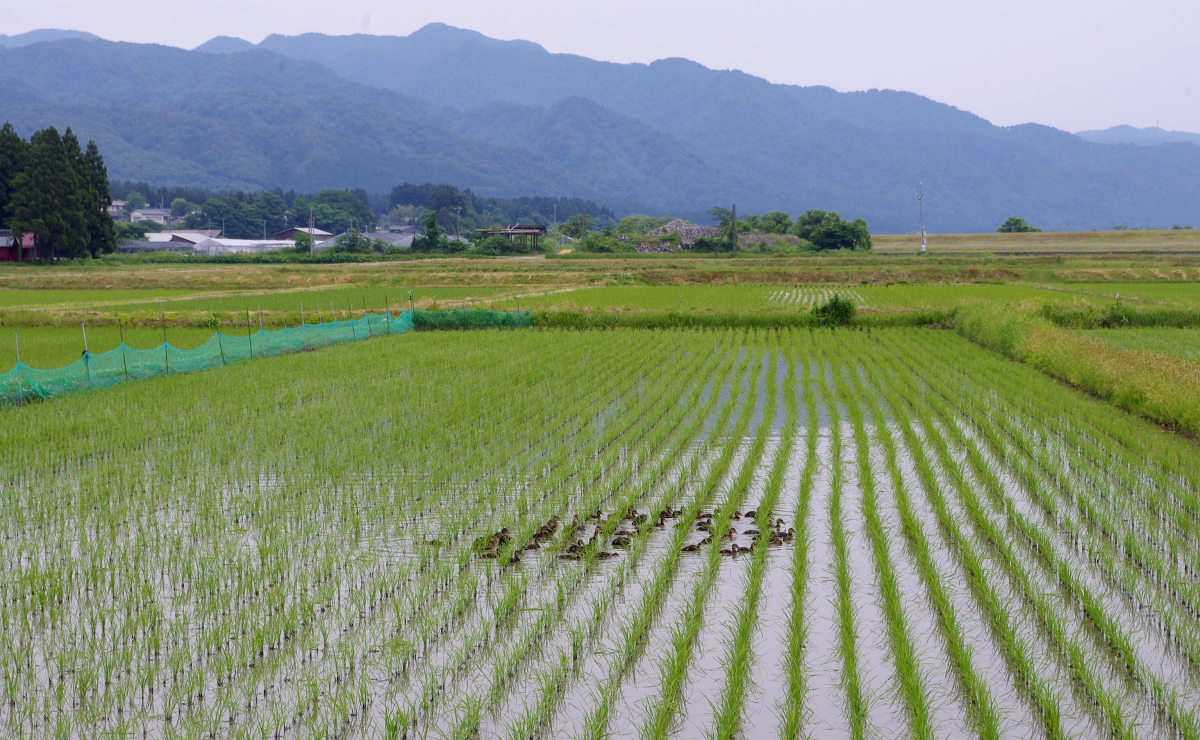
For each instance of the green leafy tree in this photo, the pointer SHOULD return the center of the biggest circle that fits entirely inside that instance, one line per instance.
(127, 230)
(180, 208)
(834, 233)
(576, 226)
(352, 242)
(134, 201)
(726, 239)
(46, 199)
(431, 240)
(639, 225)
(776, 222)
(1016, 225)
(346, 208)
(808, 222)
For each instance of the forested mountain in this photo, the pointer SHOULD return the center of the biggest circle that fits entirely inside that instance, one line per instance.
(508, 118)
(1141, 136)
(249, 121)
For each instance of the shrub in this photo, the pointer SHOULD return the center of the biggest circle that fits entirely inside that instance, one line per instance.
(837, 311)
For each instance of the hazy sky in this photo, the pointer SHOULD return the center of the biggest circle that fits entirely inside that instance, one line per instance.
(1066, 63)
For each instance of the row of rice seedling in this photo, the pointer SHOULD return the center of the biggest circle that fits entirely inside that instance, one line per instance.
(1076, 578)
(810, 296)
(539, 534)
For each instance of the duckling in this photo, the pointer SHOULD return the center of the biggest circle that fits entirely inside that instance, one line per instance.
(705, 541)
(490, 555)
(597, 514)
(620, 542)
(751, 532)
(516, 558)
(568, 556)
(704, 527)
(691, 548)
(779, 522)
(532, 546)
(737, 516)
(731, 551)
(622, 533)
(751, 514)
(730, 533)
(606, 555)
(640, 519)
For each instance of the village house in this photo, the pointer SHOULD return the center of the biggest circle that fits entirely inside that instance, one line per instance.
(11, 252)
(156, 215)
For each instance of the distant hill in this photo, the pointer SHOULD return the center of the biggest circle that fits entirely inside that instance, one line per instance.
(1142, 136)
(249, 121)
(507, 118)
(43, 34)
(861, 153)
(224, 45)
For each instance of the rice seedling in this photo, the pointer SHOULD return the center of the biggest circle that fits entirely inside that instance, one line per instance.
(343, 543)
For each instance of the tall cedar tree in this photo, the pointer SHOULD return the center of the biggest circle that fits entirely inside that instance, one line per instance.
(60, 195)
(45, 200)
(101, 229)
(13, 151)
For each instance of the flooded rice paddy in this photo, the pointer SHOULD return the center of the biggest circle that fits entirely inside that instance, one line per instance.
(627, 534)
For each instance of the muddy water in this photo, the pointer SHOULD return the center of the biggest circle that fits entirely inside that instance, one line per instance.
(1150, 646)
(949, 717)
(825, 704)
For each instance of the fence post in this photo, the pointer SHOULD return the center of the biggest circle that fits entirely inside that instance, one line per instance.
(87, 360)
(166, 356)
(303, 326)
(17, 342)
(221, 346)
(248, 337)
(367, 316)
(350, 310)
(124, 362)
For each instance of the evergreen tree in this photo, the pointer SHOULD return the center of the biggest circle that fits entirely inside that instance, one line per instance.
(102, 231)
(13, 150)
(45, 199)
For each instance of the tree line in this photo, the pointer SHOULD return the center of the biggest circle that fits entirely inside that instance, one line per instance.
(55, 189)
(466, 212)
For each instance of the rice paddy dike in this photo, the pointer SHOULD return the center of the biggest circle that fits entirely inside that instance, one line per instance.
(729, 533)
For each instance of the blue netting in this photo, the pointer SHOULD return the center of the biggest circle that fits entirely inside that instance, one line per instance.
(124, 363)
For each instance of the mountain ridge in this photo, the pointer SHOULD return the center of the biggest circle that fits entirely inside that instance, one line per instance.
(509, 118)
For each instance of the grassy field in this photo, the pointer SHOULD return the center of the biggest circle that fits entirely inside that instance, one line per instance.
(1082, 242)
(776, 298)
(1186, 293)
(592, 534)
(1181, 343)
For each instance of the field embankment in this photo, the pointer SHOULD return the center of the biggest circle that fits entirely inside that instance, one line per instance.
(1160, 387)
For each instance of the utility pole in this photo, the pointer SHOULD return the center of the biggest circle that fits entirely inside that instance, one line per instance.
(556, 223)
(733, 239)
(311, 239)
(457, 218)
(921, 208)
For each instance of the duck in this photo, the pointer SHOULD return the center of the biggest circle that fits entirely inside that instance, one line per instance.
(620, 542)
(606, 555)
(532, 546)
(731, 551)
(751, 514)
(730, 533)
(751, 532)
(691, 548)
(705, 541)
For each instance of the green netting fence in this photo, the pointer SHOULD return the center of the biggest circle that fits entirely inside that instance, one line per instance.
(124, 363)
(469, 318)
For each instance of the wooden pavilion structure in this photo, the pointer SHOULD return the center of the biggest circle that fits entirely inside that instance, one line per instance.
(521, 235)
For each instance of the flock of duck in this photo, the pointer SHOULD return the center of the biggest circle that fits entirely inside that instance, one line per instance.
(574, 547)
